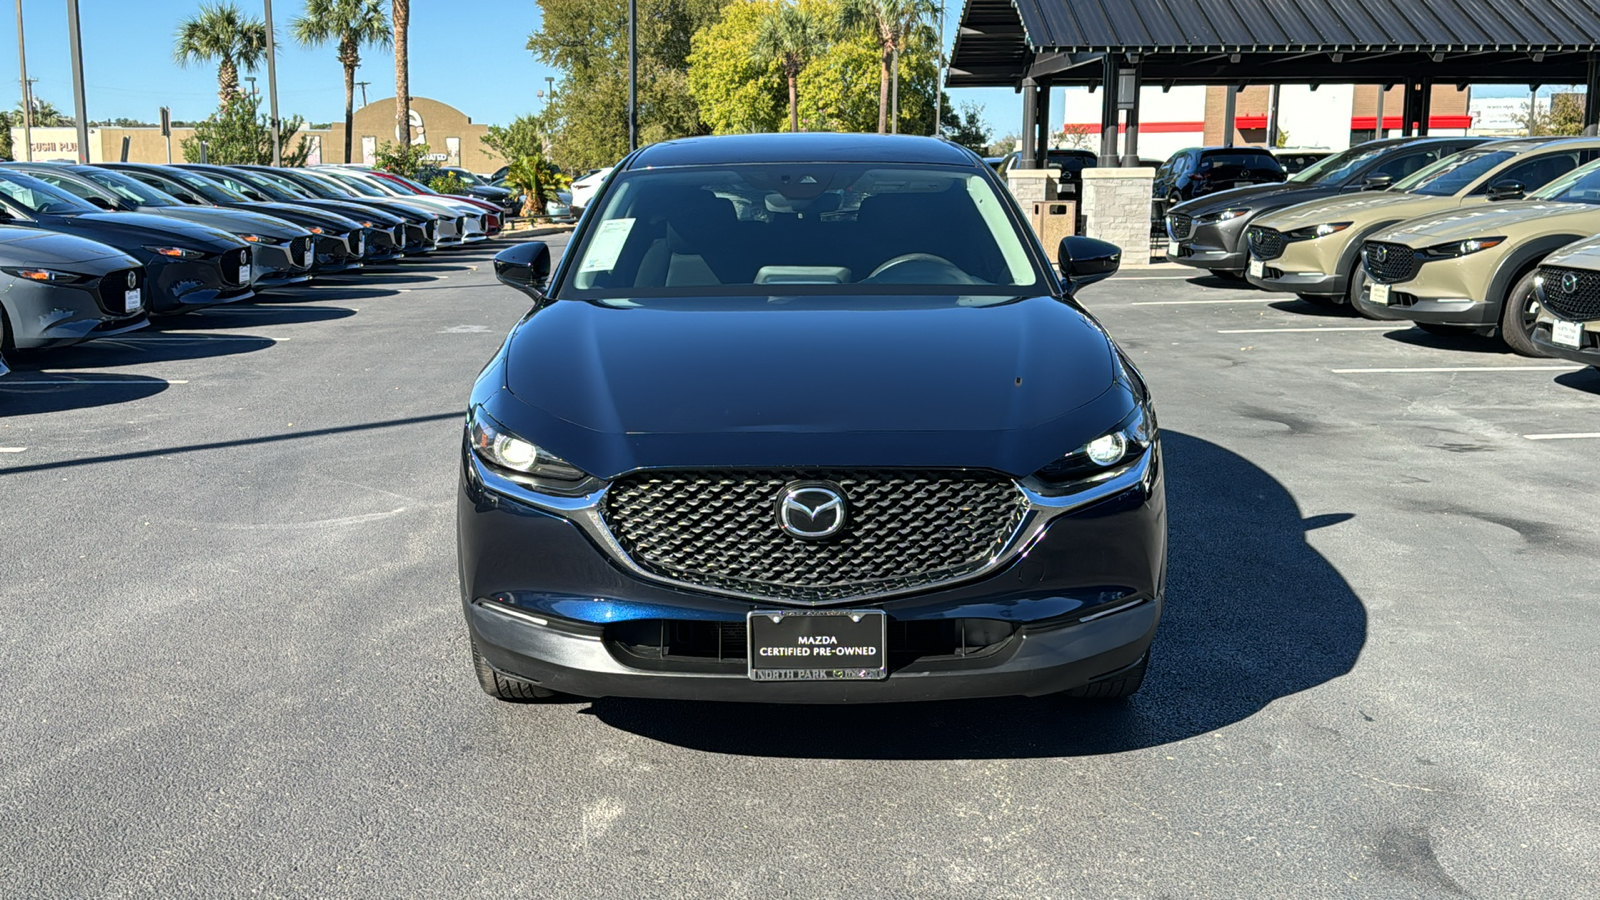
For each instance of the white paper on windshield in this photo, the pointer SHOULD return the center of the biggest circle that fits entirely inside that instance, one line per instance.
(606, 245)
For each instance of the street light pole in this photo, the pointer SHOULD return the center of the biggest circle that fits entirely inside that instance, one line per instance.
(633, 75)
(272, 89)
(80, 105)
(27, 94)
(938, 81)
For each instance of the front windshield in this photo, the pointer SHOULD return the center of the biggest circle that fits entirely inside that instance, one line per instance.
(36, 197)
(1338, 168)
(807, 227)
(130, 188)
(1454, 173)
(320, 184)
(466, 176)
(283, 186)
(207, 188)
(1581, 185)
(357, 184)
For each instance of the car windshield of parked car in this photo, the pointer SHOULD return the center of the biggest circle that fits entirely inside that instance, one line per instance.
(350, 182)
(34, 196)
(207, 188)
(466, 176)
(1071, 163)
(1240, 162)
(1337, 169)
(807, 227)
(1581, 185)
(130, 189)
(283, 187)
(1453, 174)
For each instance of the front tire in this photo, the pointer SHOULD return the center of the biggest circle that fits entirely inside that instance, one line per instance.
(1120, 686)
(1517, 316)
(506, 687)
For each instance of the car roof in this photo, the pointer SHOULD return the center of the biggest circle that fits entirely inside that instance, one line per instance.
(1244, 148)
(807, 147)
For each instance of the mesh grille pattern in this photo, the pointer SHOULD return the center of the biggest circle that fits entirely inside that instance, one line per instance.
(233, 266)
(300, 251)
(1265, 243)
(1582, 303)
(113, 289)
(1390, 263)
(905, 529)
(1180, 226)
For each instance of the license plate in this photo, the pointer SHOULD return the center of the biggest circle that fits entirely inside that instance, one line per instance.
(1258, 269)
(817, 645)
(1567, 334)
(133, 300)
(1380, 294)
(1172, 249)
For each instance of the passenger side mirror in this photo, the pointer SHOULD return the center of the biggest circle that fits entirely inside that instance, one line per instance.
(1083, 261)
(1377, 183)
(525, 267)
(1505, 190)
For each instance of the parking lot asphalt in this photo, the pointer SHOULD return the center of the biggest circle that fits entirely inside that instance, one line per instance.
(235, 664)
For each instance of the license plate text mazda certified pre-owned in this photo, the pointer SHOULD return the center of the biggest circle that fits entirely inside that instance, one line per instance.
(809, 418)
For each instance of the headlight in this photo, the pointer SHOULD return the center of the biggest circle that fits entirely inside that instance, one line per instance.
(1224, 216)
(1107, 454)
(315, 230)
(261, 239)
(175, 252)
(500, 448)
(1316, 231)
(1461, 248)
(48, 276)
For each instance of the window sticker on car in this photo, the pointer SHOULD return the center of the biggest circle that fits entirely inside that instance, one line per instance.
(606, 245)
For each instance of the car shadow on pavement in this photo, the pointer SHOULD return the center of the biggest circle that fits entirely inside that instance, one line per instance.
(1583, 380)
(252, 315)
(141, 348)
(1312, 308)
(25, 393)
(1253, 613)
(1456, 343)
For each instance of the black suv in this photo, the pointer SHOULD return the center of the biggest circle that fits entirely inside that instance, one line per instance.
(1198, 171)
(1208, 233)
(1070, 161)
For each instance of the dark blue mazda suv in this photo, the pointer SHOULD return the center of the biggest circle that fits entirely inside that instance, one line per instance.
(809, 418)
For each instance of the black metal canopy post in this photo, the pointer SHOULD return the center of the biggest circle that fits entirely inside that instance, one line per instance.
(1591, 98)
(1108, 111)
(1030, 131)
(1408, 121)
(1424, 106)
(1128, 99)
(1041, 124)
(1272, 116)
(1378, 130)
(1229, 108)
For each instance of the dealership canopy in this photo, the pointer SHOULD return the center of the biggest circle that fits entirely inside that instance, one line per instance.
(1032, 45)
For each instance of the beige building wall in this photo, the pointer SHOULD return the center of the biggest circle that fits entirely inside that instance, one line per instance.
(452, 138)
(1449, 103)
(145, 145)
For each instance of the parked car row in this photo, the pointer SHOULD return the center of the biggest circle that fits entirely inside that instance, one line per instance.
(91, 251)
(1458, 235)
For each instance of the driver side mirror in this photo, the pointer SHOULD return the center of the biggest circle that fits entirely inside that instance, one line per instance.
(1084, 261)
(525, 267)
(101, 202)
(1377, 183)
(1505, 190)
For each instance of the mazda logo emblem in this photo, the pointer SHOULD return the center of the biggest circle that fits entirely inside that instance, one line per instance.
(1378, 254)
(1569, 283)
(811, 510)
(133, 280)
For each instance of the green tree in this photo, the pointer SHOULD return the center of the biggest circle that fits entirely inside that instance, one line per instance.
(351, 24)
(736, 93)
(967, 127)
(220, 33)
(891, 23)
(537, 179)
(238, 134)
(789, 35)
(838, 90)
(525, 136)
(401, 159)
(7, 151)
(45, 115)
(587, 40)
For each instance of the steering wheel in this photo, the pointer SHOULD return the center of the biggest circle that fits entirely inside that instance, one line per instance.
(912, 258)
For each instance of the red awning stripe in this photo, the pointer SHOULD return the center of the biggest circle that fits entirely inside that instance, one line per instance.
(1249, 123)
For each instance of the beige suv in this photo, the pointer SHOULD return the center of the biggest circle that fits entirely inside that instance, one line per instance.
(1473, 269)
(1312, 249)
(1567, 317)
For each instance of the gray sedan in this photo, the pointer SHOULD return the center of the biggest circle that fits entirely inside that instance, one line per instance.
(57, 289)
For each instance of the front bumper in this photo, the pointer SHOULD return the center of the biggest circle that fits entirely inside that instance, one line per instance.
(1588, 351)
(277, 265)
(1218, 246)
(1421, 301)
(1306, 267)
(178, 286)
(43, 315)
(1079, 602)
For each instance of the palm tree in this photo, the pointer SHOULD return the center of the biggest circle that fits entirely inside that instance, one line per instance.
(350, 24)
(789, 34)
(402, 72)
(890, 22)
(220, 32)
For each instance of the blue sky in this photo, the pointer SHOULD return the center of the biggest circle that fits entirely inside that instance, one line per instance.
(469, 54)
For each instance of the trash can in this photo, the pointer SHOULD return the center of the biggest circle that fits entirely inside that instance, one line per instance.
(1054, 220)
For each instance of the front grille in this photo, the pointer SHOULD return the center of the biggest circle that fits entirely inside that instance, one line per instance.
(1265, 243)
(1581, 303)
(113, 289)
(906, 529)
(461, 225)
(356, 240)
(234, 265)
(300, 251)
(1390, 263)
(658, 643)
(397, 234)
(1180, 226)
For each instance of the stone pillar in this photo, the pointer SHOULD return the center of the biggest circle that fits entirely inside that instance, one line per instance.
(1116, 208)
(1032, 186)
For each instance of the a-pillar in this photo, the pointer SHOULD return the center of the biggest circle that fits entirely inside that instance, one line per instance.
(1030, 137)
(1591, 99)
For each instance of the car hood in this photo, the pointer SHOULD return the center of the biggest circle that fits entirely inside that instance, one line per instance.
(355, 211)
(1584, 254)
(122, 229)
(233, 221)
(1371, 206)
(1516, 219)
(50, 249)
(792, 382)
(296, 213)
(1255, 197)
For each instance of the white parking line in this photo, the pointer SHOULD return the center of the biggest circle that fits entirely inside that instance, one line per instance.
(1453, 369)
(1264, 299)
(1158, 277)
(1305, 330)
(1574, 436)
(12, 449)
(67, 382)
